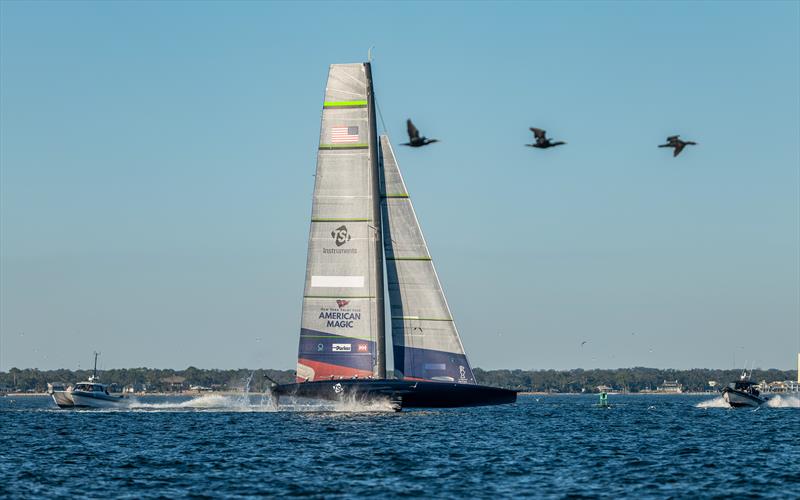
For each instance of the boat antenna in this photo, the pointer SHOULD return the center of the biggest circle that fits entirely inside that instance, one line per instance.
(380, 115)
(94, 372)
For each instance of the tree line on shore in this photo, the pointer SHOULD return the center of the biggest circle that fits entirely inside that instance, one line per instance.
(563, 381)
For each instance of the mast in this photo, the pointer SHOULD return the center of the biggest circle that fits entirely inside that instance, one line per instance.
(94, 372)
(375, 156)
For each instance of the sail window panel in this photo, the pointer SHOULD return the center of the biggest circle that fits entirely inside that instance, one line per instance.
(423, 303)
(413, 276)
(427, 335)
(340, 174)
(403, 236)
(346, 82)
(392, 184)
(344, 209)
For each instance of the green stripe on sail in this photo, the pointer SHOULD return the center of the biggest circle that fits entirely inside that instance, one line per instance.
(397, 195)
(315, 219)
(408, 258)
(421, 319)
(344, 104)
(338, 297)
(343, 146)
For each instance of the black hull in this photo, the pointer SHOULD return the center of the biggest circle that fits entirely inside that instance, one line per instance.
(402, 393)
(741, 399)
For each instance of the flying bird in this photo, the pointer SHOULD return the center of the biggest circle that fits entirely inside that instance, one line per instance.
(542, 142)
(414, 140)
(585, 341)
(677, 144)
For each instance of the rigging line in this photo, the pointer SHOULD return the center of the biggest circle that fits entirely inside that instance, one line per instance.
(380, 115)
(374, 96)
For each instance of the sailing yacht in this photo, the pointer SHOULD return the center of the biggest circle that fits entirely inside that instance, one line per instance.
(361, 216)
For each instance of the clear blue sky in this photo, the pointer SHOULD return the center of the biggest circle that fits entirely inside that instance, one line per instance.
(156, 165)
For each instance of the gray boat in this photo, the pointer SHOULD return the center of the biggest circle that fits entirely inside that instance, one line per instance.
(743, 393)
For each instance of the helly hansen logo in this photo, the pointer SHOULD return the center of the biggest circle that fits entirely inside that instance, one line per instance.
(340, 235)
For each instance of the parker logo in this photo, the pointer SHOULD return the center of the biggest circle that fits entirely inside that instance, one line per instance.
(341, 347)
(340, 235)
(362, 348)
(341, 303)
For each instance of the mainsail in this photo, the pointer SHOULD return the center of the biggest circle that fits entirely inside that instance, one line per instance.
(425, 339)
(342, 329)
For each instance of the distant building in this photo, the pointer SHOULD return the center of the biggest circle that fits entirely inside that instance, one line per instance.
(134, 389)
(175, 383)
(670, 387)
(779, 386)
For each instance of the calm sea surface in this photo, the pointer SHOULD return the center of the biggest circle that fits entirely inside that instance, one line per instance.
(544, 446)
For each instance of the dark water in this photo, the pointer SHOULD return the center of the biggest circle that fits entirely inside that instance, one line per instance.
(550, 446)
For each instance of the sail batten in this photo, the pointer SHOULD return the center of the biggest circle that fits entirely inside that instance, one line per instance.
(425, 340)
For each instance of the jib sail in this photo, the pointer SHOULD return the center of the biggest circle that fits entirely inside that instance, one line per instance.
(424, 336)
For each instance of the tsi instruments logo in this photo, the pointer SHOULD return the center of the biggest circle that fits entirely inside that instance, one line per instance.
(340, 237)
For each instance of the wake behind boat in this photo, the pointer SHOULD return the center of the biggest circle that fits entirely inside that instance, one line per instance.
(361, 214)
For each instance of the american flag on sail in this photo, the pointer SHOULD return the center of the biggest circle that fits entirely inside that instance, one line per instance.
(343, 135)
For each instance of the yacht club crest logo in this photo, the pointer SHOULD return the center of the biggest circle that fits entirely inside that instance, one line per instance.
(341, 303)
(340, 235)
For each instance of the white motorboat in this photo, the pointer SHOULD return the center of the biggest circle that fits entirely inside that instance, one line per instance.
(89, 394)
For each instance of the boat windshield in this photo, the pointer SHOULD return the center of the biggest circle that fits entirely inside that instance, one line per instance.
(90, 388)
